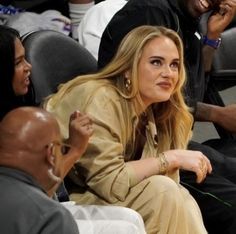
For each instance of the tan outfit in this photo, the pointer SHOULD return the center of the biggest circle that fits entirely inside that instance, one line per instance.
(105, 178)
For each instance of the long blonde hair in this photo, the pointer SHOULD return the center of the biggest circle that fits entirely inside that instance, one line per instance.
(173, 120)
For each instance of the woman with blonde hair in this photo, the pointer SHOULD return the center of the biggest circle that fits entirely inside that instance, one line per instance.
(141, 129)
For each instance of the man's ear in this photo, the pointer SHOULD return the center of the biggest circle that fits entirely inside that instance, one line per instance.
(50, 157)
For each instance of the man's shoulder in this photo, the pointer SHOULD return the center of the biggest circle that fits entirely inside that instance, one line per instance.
(29, 209)
(135, 13)
(21, 191)
(139, 12)
(160, 4)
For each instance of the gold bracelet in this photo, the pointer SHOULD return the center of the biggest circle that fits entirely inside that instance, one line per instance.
(164, 164)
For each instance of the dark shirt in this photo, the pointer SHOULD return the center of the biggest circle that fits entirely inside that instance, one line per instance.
(162, 13)
(26, 209)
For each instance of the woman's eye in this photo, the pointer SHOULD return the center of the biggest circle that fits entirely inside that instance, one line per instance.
(156, 62)
(17, 62)
(20, 60)
(175, 65)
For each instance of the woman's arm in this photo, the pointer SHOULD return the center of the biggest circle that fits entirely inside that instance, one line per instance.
(188, 160)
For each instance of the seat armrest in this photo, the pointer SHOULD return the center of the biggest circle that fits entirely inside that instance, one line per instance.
(224, 74)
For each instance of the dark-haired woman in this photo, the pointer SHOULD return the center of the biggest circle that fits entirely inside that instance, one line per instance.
(15, 87)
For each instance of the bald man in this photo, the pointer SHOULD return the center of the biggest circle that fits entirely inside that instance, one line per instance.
(33, 162)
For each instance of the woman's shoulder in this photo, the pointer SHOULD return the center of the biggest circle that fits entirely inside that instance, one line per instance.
(101, 89)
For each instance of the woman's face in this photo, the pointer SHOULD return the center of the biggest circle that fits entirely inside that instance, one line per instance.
(158, 70)
(20, 82)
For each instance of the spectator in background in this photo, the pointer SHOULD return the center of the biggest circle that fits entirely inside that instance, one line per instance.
(15, 89)
(47, 14)
(30, 16)
(95, 21)
(77, 9)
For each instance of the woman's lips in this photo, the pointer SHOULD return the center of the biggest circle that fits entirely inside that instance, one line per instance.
(165, 85)
(27, 81)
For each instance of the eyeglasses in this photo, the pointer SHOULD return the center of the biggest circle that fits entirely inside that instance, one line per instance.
(64, 148)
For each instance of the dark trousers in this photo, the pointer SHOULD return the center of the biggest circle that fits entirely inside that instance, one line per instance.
(216, 196)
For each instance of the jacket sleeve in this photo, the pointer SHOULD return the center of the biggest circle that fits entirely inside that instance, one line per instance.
(103, 164)
(102, 168)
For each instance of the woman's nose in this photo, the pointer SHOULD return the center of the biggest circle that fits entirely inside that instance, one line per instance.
(28, 66)
(166, 71)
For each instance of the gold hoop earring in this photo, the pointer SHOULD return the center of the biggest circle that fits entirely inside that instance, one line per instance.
(128, 84)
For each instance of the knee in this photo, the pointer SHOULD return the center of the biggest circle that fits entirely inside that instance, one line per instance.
(164, 188)
(162, 184)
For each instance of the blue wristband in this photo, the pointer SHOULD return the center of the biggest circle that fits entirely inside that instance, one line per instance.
(210, 42)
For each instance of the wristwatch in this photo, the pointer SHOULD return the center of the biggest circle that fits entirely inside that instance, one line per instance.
(211, 42)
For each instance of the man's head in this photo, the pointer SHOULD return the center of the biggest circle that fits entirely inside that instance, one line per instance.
(30, 141)
(198, 7)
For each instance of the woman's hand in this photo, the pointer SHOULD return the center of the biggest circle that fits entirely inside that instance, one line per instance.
(189, 160)
(80, 130)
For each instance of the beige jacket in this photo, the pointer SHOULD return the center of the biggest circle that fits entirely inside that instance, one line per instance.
(102, 174)
(102, 168)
